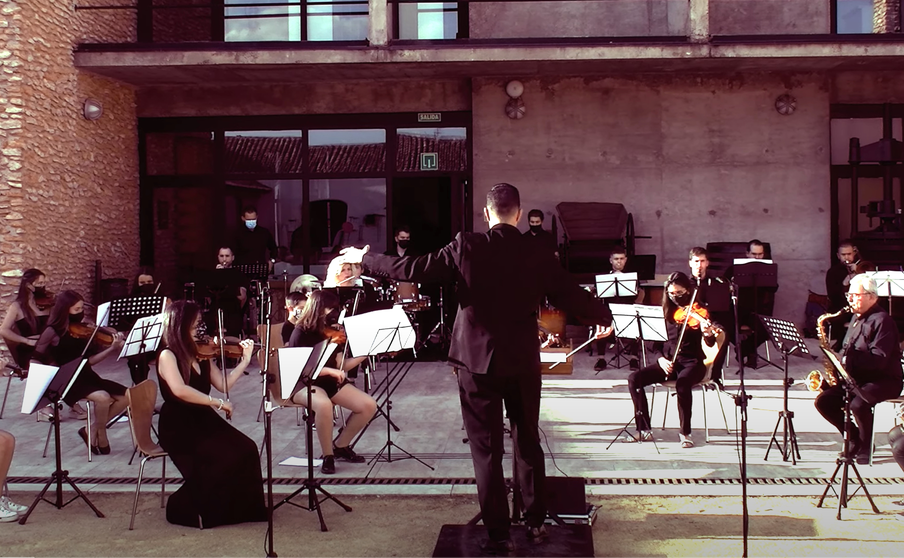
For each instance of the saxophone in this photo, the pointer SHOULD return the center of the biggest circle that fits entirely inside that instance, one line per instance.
(816, 378)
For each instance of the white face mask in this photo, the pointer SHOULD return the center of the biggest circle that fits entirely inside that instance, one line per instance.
(251, 223)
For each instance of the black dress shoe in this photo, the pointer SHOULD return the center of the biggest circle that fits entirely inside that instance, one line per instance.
(537, 535)
(601, 364)
(503, 547)
(84, 436)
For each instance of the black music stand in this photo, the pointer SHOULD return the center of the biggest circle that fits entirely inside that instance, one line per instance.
(847, 460)
(756, 275)
(618, 288)
(388, 340)
(787, 341)
(53, 386)
(257, 274)
(124, 312)
(307, 373)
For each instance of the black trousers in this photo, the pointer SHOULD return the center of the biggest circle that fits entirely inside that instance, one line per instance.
(830, 404)
(482, 398)
(685, 373)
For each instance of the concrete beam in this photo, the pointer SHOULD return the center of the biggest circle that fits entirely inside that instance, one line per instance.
(698, 21)
(378, 23)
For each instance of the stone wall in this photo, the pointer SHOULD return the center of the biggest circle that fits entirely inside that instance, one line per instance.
(769, 17)
(695, 159)
(71, 185)
(886, 16)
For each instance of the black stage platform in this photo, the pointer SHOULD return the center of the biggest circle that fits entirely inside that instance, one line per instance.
(564, 540)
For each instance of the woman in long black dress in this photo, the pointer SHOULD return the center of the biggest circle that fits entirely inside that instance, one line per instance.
(220, 465)
(24, 321)
(57, 346)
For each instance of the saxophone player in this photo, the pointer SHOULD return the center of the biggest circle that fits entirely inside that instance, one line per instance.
(871, 354)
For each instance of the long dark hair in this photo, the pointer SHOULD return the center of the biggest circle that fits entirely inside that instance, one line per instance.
(24, 296)
(143, 270)
(678, 279)
(59, 315)
(313, 315)
(178, 321)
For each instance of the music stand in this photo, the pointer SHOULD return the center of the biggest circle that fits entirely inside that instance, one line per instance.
(755, 274)
(618, 288)
(144, 337)
(787, 341)
(300, 366)
(48, 385)
(888, 284)
(847, 460)
(124, 312)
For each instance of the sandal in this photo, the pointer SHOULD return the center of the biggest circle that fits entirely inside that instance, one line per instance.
(686, 441)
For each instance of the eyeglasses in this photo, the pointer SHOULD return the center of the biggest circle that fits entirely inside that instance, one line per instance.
(858, 295)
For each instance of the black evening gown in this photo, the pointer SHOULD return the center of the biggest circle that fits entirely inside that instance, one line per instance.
(68, 349)
(220, 465)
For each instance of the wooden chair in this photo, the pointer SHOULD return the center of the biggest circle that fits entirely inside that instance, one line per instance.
(706, 384)
(142, 399)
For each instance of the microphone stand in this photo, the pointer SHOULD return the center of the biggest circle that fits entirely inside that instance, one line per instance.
(741, 399)
(268, 424)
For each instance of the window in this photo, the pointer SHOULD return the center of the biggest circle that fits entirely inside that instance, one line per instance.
(428, 20)
(854, 16)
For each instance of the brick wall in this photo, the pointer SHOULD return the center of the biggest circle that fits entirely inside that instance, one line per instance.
(70, 185)
(886, 16)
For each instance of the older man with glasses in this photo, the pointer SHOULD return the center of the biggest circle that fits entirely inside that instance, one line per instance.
(871, 354)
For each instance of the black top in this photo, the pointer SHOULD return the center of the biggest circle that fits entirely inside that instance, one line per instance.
(542, 240)
(254, 246)
(871, 348)
(835, 287)
(500, 281)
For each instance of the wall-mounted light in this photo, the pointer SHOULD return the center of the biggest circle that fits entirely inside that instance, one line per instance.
(785, 104)
(515, 108)
(92, 109)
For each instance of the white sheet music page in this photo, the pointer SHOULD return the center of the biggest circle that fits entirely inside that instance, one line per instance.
(378, 332)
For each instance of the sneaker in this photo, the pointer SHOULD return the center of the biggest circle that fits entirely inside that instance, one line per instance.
(12, 506)
(537, 535)
(347, 454)
(7, 515)
(77, 412)
(329, 465)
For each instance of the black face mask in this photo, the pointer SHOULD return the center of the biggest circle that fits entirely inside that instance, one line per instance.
(403, 243)
(536, 228)
(40, 291)
(682, 300)
(76, 318)
(147, 289)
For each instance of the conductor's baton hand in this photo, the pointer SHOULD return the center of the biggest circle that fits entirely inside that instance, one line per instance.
(353, 255)
(603, 331)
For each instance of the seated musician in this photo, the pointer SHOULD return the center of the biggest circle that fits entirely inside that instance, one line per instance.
(714, 294)
(838, 279)
(618, 259)
(871, 354)
(312, 319)
(682, 363)
(750, 303)
(61, 343)
(143, 285)
(228, 288)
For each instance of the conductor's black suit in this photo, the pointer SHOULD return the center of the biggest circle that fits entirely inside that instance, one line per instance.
(500, 281)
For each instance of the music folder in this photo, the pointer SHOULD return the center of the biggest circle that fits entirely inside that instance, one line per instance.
(299, 364)
(46, 385)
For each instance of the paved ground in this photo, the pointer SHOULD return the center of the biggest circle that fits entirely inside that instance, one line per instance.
(641, 492)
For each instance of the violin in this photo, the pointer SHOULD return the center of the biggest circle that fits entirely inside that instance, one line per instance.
(336, 334)
(45, 300)
(696, 315)
(105, 335)
(211, 349)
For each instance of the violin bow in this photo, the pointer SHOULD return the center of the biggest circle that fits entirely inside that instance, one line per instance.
(223, 352)
(687, 318)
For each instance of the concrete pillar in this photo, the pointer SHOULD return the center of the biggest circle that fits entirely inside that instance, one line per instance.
(698, 20)
(886, 16)
(378, 30)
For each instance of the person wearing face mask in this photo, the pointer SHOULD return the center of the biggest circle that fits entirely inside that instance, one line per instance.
(143, 285)
(402, 243)
(57, 347)
(310, 320)
(540, 238)
(687, 369)
(254, 243)
(24, 321)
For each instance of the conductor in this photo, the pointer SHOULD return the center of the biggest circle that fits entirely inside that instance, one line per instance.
(501, 281)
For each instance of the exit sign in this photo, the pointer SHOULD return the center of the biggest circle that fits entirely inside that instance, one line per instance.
(429, 162)
(429, 117)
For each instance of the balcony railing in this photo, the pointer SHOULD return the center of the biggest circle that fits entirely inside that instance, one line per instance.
(378, 22)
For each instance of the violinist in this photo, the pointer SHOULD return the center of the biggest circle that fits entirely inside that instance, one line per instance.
(683, 363)
(310, 322)
(223, 483)
(58, 346)
(24, 320)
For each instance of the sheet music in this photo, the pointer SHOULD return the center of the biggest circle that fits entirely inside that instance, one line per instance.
(742, 261)
(547, 357)
(103, 313)
(616, 284)
(378, 332)
(888, 283)
(39, 378)
(150, 330)
(291, 364)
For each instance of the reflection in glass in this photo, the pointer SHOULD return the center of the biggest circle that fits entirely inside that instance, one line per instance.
(337, 20)
(450, 145)
(869, 130)
(428, 20)
(263, 152)
(266, 23)
(347, 150)
(347, 212)
(179, 153)
(855, 16)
